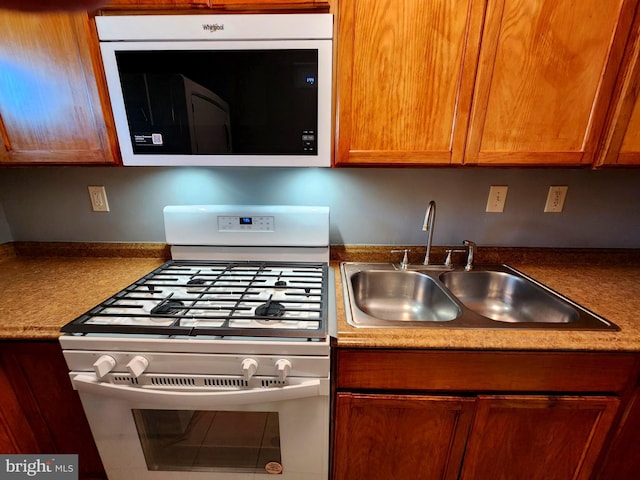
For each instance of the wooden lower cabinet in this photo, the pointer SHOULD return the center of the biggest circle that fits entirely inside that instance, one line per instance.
(545, 438)
(400, 436)
(406, 415)
(622, 461)
(40, 413)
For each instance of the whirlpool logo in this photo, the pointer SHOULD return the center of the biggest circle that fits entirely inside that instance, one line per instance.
(213, 27)
(49, 467)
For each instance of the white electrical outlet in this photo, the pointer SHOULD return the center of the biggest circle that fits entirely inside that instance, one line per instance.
(555, 199)
(98, 197)
(497, 197)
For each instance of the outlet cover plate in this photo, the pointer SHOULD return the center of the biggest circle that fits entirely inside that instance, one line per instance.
(497, 198)
(555, 199)
(98, 197)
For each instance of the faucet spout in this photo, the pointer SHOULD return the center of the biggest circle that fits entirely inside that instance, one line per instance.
(429, 221)
(470, 256)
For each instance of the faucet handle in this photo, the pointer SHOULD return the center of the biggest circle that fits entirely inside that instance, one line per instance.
(405, 258)
(449, 262)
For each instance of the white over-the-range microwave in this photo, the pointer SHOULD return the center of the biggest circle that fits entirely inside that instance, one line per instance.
(220, 90)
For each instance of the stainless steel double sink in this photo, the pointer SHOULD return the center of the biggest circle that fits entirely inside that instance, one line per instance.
(496, 296)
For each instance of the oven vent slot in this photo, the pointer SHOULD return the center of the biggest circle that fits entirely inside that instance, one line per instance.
(268, 382)
(124, 380)
(182, 381)
(225, 382)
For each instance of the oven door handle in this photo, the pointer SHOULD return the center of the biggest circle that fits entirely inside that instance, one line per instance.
(90, 384)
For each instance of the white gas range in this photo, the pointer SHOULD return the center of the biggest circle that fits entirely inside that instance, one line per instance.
(215, 365)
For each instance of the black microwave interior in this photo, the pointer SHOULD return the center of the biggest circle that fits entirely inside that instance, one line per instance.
(244, 102)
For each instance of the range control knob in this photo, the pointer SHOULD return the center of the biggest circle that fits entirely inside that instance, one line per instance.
(249, 367)
(103, 365)
(137, 366)
(283, 368)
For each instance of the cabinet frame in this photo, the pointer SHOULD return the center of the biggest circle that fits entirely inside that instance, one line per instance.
(594, 388)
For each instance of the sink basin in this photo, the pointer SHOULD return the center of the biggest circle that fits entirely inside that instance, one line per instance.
(402, 297)
(494, 296)
(505, 297)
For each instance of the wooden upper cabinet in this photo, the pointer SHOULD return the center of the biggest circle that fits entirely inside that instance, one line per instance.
(621, 142)
(545, 77)
(404, 80)
(629, 153)
(50, 107)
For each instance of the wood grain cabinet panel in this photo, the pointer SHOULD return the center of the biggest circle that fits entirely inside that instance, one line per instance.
(473, 415)
(538, 438)
(620, 144)
(384, 437)
(545, 78)
(50, 107)
(15, 434)
(404, 80)
(622, 461)
(39, 410)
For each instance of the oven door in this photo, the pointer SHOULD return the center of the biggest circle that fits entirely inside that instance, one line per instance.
(171, 433)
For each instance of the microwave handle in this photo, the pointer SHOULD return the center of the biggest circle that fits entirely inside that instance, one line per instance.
(198, 400)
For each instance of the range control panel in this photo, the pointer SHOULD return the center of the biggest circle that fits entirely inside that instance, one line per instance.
(261, 223)
(247, 225)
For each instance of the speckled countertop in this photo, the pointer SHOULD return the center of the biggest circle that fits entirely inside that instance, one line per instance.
(39, 293)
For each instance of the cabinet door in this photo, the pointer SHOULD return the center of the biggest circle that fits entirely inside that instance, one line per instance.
(545, 78)
(400, 437)
(37, 376)
(622, 461)
(15, 434)
(545, 438)
(404, 80)
(621, 141)
(50, 110)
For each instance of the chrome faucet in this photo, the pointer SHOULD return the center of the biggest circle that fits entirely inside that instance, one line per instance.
(429, 220)
(470, 256)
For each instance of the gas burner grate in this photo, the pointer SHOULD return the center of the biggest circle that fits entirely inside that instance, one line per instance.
(185, 297)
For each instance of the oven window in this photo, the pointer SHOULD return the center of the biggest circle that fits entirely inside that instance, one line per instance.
(234, 102)
(224, 441)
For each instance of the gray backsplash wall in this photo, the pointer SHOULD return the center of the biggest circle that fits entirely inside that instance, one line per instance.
(368, 206)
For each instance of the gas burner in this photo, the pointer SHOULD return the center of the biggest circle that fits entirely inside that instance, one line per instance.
(204, 298)
(170, 307)
(270, 309)
(197, 285)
